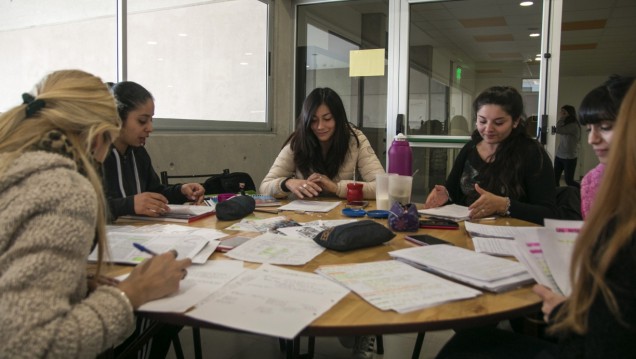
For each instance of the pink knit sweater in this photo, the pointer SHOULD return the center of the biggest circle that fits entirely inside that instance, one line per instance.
(589, 187)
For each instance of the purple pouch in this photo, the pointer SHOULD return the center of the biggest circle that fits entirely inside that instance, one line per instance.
(404, 218)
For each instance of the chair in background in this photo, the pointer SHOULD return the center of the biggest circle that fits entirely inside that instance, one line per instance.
(165, 177)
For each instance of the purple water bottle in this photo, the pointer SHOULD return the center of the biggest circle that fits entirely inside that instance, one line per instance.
(400, 156)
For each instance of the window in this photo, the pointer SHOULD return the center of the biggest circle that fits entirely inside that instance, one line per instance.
(205, 62)
(40, 37)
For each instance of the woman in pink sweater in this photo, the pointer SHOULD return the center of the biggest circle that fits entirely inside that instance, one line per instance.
(597, 113)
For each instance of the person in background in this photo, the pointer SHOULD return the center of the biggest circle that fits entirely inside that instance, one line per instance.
(323, 154)
(501, 170)
(53, 214)
(569, 134)
(597, 113)
(598, 319)
(132, 185)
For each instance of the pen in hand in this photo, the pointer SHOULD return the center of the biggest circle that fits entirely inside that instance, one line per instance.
(144, 249)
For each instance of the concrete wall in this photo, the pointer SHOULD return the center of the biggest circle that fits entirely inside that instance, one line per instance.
(254, 153)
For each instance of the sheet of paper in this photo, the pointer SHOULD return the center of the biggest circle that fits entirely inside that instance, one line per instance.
(276, 249)
(201, 282)
(393, 285)
(121, 249)
(366, 62)
(307, 232)
(449, 211)
(529, 253)
(329, 222)
(495, 246)
(557, 248)
(263, 225)
(492, 231)
(271, 301)
(189, 209)
(309, 206)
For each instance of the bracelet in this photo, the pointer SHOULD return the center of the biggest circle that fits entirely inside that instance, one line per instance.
(506, 212)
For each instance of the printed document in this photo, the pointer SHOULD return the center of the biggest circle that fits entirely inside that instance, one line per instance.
(309, 206)
(477, 269)
(393, 285)
(453, 212)
(271, 301)
(277, 249)
(201, 282)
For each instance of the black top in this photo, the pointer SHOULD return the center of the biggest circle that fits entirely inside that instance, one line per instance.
(606, 336)
(539, 199)
(121, 204)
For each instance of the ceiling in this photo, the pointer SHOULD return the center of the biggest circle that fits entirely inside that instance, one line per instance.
(598, 37)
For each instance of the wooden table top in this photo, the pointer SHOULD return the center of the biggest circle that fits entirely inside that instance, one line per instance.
(353, 315)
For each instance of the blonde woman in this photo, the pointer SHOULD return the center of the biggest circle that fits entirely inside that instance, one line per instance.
(598, 319)
(52, 214)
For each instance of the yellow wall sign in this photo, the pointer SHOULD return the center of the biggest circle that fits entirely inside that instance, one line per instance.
(366, 62)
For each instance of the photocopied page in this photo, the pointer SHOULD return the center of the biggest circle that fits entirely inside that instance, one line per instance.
(494, 246)
(309, 206)
(557, 246)
(270, 300)
(454, 212)
(277, 249)
(201, 281)
(529, 253)
(393, 285)
(121, 249)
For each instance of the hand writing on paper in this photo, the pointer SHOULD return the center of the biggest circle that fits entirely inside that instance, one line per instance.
(154, 278)
(151, 204)
(194, 192)
(324, 182)
(487, 204)
(550, 299)
(437, 198)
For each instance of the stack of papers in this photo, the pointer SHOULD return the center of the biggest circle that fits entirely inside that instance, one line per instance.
(497, 240)
(453, 212)
(194, 243)
(547, 254)
(179, 213)
(309, 206)
(476, 269)
(393, 285)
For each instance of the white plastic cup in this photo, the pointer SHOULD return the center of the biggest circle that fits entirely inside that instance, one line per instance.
(400, 189)
(382, 190)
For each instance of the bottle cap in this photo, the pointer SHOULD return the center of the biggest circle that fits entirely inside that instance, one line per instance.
(400, 137)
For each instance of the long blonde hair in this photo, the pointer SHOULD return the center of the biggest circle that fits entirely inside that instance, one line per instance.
(596, 248)
(77, 104)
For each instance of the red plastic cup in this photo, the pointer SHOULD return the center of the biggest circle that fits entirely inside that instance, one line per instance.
(354, 192)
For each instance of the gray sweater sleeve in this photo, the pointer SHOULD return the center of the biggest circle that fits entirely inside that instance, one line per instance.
(44, 242)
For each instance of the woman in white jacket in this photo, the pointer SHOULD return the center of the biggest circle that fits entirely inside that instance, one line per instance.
(323, 154)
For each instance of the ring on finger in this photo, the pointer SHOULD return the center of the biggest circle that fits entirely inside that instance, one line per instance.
(305, 185)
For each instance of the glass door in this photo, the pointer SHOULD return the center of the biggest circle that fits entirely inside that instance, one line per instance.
(450, 51)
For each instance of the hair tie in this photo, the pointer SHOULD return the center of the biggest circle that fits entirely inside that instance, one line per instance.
(33, 105)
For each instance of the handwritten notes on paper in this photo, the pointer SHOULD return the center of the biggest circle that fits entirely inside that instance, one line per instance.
(393, 285)
(277, 249)
(271, 301)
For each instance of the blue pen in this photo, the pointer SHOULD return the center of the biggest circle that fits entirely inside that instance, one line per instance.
(144, 249)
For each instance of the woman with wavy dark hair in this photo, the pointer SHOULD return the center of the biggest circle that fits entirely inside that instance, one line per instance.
(569, 134)
(323, 154)
(501, 170)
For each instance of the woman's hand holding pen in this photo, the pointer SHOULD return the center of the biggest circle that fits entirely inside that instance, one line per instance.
(154, 278)
(303, 188)
(194, 192)
(487, 204)
(151, 204)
